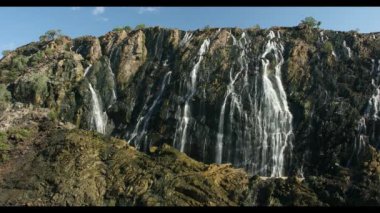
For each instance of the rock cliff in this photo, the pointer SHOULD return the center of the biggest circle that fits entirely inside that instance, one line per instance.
(279, 105)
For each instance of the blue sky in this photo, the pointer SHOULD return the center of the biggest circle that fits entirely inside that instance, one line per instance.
(21, 25)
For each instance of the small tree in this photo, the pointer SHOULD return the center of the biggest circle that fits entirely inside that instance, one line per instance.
(256, 26)
(140, 26)
(51, 35)
(356, 30)
(5, 52)
(128, 28)
(117, 29)
(310, 22)
(207, 27)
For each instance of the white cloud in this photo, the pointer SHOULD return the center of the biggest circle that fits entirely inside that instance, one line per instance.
(75, 8)
(148, 9)
(98, 10)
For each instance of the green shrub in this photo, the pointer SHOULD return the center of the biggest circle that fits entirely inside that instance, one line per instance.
(256, 26)
(19, 134)
(5, 95)
(357, 30)
(309, 37)
(327, 47)
(5, 52)
(41, 85)
(207, 27)
(140, 26)
(39, 81)
(37, 58)
(128, 28)
(4, 147)
(51, 35)
(117, 29)
(310, 22)
(11, 75)
(3, 141)
(49, 52)
(19, 62)
(53, 115)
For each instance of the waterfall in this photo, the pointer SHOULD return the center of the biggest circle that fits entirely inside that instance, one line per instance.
(98, 117)
(183, 124)
(234, 41)
(323, 38)
(185, 39)
(230, 92)
(347, 48)
(362, 129)
(259, 136)
(235, 98)
(276, 120)
(370, 113)
(321, 34)
(374, 104)
(143, 121)
(86, 70)
(114, 97)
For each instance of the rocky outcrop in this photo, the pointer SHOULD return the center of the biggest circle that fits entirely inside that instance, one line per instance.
(53, 165)
(50, 163)
(88, 47)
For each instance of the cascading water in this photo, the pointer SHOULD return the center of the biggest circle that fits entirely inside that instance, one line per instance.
(371, 113)
(86, 70)
(185, 39)
(143, 121)
(347, 48)
(98, 117)
(234, 101)
(181, 131)
(234, 41)
(265, 127)
(321, 36)
(374, 103)
(114, 97)
(276, 117)
(274, 121)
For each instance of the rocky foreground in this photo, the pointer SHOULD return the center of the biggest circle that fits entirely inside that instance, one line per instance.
(49, 163)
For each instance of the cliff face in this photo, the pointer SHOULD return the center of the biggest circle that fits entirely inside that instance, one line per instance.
(277, 102)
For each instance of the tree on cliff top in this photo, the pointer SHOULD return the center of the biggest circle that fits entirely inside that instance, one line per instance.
(5, 52)
(310, 22)
(51, 35)
(140, 26)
